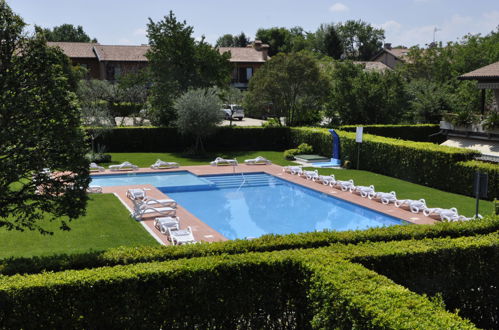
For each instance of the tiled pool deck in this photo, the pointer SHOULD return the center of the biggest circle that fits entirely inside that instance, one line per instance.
(203, 232)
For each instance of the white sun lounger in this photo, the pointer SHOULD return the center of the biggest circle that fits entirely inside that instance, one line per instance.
(327, 179)
(297, 170)
(311, 175)
(223, 162)
(143, 210)
(384, 197)
(158, 202)
(258, 161)
(94, 189)
(125, 166)
(94, 167)
(344, 185)
(415, 206)
(163, 223)
(136, 193)
(460, 218)
(442, 213)
(182, 236)
(163, 165)
(290, 168)
(363, 191)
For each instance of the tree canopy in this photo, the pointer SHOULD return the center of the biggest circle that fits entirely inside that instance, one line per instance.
(292, 85)
(178, 63)
(39, 128)
(65, 32)
(229, 40)
(198, 113)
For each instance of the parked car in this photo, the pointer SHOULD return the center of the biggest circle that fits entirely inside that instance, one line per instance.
(233, 110)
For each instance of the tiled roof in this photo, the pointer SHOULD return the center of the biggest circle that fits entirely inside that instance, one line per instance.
(137, 53)
(76, 49)
(374, 65)
(121, 53)
(398, 52)
(488, 71)
(244, 54)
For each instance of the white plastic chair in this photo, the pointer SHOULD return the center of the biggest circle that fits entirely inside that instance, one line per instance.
(94, 167)
(363, 191)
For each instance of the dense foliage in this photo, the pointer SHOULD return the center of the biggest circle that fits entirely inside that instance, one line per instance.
(177, 63)
(65, 32)
(293, 85)
(229, 40)
(39, 128)
(198, 114)
(322, 288)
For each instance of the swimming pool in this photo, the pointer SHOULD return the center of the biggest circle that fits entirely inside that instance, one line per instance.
(251, 205)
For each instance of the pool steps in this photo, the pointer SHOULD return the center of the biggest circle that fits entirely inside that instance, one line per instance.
(250, 180)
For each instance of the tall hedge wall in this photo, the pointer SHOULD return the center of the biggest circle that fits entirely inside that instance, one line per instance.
(166, 139)
(419, 133)
(297, 289)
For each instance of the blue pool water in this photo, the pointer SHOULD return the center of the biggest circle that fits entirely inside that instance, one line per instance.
(258, 204)
(169, 181)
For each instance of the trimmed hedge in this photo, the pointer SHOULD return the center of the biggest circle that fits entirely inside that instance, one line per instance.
(245, 291)
(130, 255)
(419, 132)
(462, 271)
(441, 167)
(166, 139)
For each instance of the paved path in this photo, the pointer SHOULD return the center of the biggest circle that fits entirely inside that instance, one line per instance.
(203, 232)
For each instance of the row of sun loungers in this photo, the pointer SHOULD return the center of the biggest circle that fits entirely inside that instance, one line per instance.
(168, 223)
(159, 164)
(415, 206)
(219, 161)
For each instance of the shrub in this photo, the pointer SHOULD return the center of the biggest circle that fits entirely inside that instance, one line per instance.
(291, 153)
(304, 148)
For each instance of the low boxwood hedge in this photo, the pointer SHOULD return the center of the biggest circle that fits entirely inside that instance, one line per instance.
(130, 255)
(285, 289)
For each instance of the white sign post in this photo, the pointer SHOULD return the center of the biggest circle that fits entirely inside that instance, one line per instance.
(358, 139)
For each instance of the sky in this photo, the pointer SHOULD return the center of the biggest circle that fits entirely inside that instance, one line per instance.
(406, 22)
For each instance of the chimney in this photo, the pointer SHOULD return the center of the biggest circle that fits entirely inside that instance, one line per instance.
(387, 46)
(257, 44)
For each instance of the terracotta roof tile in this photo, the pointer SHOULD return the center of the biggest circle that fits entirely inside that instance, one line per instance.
(122, 53)
(373, 65)
(488, 71)
(398, 52)
(75, 49)
(243, 54)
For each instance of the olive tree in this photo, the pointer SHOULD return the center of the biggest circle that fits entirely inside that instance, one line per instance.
(39, 128)
(198, 114)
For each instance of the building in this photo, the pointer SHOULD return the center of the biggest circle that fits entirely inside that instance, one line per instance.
(246, 61)
(105, 62)
(109, 62)
(391, 56)
(477, 136)
(373, 66)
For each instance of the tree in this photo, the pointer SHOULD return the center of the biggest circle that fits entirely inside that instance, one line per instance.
(39, 128)
(277, 38)
(360, 40)
(359, 96)
(198, 114)
(227, 40)
(178, 63)
(327, 41)
(293, 85)
(65, 32)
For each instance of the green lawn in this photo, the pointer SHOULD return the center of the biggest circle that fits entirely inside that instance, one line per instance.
(107, 224)
(404, 189)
